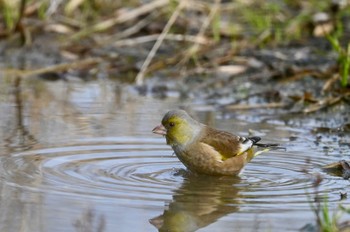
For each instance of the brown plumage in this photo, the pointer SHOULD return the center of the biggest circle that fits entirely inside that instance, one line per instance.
(227, 144)
(203, 149)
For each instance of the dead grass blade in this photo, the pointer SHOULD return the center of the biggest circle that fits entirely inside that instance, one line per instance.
(194, 48)
(121, 18)
(140, 76)
(137, 27)
(150, 38)
(329, 83)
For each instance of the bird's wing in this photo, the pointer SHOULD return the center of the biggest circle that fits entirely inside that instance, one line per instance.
(227, 144)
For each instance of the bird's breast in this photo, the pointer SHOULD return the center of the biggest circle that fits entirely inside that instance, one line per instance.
(184, 155)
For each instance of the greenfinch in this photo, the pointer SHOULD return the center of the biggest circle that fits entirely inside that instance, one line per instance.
(203, 149)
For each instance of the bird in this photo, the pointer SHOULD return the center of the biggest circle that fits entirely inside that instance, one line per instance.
(204, 149)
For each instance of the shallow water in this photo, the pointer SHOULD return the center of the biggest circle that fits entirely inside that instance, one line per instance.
(80, 156)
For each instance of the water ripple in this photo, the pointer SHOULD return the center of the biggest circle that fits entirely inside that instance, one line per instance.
(145, 169)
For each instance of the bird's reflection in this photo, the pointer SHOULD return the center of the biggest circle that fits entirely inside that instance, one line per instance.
(199, 202)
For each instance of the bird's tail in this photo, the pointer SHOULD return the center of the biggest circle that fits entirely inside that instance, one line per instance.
(274, 146)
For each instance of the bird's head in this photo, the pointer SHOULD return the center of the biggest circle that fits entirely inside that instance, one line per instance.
(178, 128)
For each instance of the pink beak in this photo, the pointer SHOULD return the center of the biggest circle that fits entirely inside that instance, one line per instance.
(159, 130)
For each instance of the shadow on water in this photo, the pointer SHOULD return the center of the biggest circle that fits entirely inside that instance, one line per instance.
(199, 202)
(90, 222)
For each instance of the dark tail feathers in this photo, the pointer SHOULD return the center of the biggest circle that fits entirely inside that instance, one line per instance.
(256, 139)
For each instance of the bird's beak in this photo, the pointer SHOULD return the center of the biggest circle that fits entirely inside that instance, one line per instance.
(159, 130)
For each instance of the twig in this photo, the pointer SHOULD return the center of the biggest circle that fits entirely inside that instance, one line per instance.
(140, 76)
(121, 18)
(54, 68)
(255, 106)
(21, 14)
(24, 33)
(325, 103)
(297, 75)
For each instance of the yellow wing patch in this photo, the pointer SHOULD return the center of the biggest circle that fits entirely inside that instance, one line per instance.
(261, 151)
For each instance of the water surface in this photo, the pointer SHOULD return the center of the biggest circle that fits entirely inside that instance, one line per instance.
(80, 156)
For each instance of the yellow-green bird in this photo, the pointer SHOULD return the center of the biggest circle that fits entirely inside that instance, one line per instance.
(203, 149)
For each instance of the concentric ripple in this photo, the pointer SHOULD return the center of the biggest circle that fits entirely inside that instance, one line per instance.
(145, 170)
(134, 168)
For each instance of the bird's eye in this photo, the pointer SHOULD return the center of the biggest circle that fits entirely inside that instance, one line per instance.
(171, 124)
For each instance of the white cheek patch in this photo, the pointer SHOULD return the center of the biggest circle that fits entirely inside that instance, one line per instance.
(245, 145)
